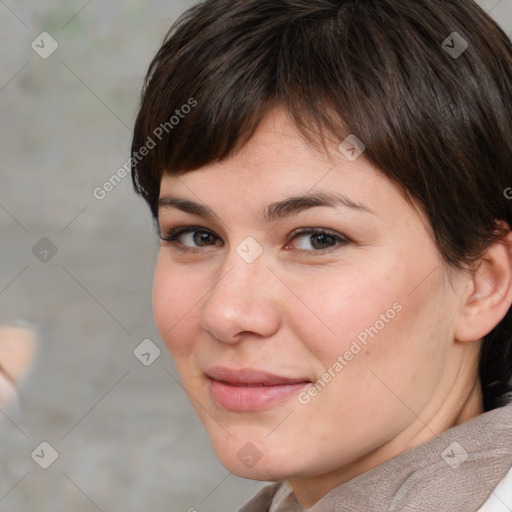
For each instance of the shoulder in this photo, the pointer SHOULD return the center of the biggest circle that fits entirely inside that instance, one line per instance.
(501, 498)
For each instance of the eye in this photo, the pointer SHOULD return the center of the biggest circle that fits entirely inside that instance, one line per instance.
(190, 238)
(319, 239)
(187, 236)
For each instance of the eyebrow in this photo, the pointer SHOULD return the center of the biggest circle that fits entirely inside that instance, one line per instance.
(273, 211)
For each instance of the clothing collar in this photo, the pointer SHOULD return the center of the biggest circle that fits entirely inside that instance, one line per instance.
(456, 470)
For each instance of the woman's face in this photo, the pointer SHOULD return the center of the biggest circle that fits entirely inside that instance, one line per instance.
(305, 354)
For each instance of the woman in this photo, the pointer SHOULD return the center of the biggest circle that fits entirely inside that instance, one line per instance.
(329, 180)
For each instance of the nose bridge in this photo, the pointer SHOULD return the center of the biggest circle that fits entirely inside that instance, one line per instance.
(243, 268)
(241, 277)
(241, 298)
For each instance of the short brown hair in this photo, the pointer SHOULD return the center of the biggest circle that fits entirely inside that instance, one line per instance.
(438, 124)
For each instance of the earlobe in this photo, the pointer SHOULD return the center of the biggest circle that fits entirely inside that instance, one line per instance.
(490, 295)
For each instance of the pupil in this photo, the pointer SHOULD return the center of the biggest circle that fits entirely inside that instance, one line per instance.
(203, 237)
(322, 236)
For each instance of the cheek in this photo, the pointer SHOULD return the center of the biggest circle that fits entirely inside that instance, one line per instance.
(173, 307)
(342, 307)
(389, 345)
(369, 319)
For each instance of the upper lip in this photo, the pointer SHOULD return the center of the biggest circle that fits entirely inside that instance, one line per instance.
(250, 377)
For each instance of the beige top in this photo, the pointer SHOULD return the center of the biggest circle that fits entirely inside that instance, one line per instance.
(456, 471)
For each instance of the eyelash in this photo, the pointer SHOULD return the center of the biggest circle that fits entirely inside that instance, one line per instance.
(172, 237)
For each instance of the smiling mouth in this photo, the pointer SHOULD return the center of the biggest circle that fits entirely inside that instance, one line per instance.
(250, 390)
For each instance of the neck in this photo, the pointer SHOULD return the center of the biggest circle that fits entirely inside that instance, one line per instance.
(473, 406)
(467, 405)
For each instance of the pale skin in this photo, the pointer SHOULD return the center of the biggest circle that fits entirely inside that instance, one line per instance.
(17, 351)
(299, 305)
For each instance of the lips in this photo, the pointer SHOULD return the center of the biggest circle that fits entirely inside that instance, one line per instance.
(248, 389)
(250, 377)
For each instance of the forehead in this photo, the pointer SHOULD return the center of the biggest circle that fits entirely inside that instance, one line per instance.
(277, 163)
(278, 141)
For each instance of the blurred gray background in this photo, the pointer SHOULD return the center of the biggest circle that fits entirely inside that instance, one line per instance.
(79, 270)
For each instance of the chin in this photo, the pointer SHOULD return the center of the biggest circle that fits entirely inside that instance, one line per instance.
(257, 459)
(264, 470)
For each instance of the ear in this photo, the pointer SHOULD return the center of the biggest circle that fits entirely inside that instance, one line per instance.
(489, 294)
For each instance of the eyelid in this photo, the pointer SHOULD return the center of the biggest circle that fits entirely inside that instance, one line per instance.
(342, 240)
(175, 232)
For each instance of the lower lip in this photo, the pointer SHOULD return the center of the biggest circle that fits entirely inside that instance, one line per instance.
(246, 398)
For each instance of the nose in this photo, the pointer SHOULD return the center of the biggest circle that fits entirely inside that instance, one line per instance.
(243, 302)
